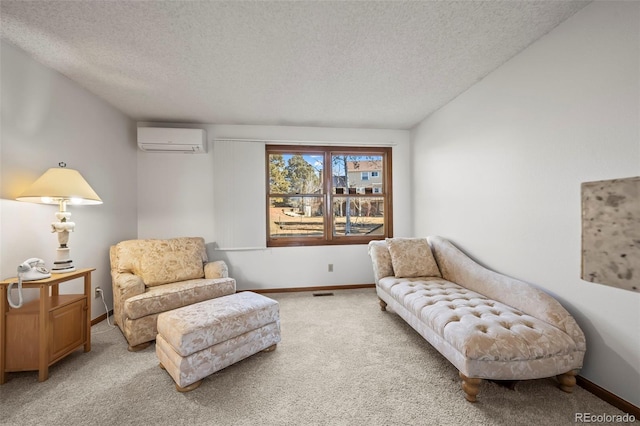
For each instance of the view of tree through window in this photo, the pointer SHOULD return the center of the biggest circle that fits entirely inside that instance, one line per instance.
(354, 182)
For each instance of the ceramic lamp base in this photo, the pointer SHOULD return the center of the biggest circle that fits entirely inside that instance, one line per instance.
(62, 263)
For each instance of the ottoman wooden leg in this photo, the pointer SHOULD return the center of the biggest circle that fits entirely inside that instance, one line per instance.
(270, 348)
(188, 388)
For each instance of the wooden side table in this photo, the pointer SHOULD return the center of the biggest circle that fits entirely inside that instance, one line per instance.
(45, 330)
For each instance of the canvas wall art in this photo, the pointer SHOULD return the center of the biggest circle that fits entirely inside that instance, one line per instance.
(611, 232)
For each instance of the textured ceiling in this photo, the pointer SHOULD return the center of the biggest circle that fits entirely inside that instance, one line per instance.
(357, 64)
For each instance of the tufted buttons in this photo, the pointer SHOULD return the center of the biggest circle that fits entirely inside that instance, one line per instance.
(453, 319)
(481, 328)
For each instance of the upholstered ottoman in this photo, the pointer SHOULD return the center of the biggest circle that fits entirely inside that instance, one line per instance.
(200, 339)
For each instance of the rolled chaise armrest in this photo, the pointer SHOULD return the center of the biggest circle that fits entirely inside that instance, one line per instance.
(380, 259)
(216, 269)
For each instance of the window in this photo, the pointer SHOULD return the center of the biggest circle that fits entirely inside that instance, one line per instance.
(303, 180)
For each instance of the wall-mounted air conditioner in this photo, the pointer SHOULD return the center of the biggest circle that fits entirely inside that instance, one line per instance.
(164, 139)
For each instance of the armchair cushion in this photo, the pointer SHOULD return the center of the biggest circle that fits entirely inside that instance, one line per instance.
(160, 262)
(176, 295)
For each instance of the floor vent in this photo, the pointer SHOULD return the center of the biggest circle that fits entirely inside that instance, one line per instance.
(322, 294)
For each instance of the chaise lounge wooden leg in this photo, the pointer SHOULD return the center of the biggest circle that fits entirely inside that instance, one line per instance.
(270, 348)
(567, 381)
(470, 386)
(383, 304)
(139, 347)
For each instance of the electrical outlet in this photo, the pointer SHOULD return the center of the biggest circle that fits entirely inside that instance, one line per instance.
(330, 267)
(97, 293)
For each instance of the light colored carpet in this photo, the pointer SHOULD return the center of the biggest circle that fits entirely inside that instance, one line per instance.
(341, 361)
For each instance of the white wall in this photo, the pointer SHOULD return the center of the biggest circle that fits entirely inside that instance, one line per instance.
(175, 198)
(46, 118)
(498, 171)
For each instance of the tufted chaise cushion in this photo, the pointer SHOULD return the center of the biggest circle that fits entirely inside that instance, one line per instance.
(490, 338)
(460, 269)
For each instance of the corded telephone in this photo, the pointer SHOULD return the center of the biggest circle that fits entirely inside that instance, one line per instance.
(29, 270)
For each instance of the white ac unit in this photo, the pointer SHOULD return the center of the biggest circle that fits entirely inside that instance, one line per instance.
(164, 139)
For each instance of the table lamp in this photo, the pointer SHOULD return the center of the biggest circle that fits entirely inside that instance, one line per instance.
(61, 186)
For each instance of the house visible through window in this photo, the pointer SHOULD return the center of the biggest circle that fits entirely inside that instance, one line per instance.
(327, 195)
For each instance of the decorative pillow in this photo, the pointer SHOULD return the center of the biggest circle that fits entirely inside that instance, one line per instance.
(172, 260)
(412, 257)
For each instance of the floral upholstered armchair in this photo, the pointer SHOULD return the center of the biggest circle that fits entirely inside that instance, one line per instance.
(154, 276)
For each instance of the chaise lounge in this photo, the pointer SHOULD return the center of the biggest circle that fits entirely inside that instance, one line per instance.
(489, 326)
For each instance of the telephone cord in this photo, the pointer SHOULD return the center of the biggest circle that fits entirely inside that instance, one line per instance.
(13, 305)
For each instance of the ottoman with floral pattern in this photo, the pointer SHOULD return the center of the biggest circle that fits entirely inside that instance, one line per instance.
(200, 339)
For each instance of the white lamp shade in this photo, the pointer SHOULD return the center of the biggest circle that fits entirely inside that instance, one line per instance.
(58, 184)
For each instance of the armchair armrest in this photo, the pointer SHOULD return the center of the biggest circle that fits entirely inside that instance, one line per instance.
(128, 285)
(125, 285)
(217, 269)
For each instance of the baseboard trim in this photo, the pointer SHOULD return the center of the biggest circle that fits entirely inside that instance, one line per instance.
(319, 288)
(100, 318)
(609, 397)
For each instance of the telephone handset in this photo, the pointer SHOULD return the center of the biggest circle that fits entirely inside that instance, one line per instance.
(29, 270)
